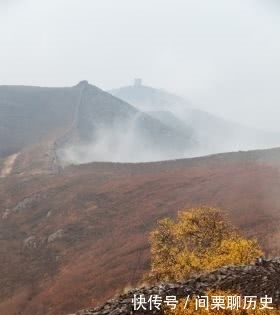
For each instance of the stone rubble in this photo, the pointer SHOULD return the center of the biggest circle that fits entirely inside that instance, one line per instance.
(260, 279)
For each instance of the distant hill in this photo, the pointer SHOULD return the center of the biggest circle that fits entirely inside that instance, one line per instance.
(210, 133)
(113, 130)
(147, 98)
(82, 124)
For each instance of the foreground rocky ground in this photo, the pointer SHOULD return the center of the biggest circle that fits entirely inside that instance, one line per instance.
(260, 279)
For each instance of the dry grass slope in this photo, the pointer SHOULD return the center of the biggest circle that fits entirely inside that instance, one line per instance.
(71, 240)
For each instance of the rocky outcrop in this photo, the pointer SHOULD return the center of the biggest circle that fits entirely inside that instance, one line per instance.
(28, 202)
(260, 279)
(56, 235)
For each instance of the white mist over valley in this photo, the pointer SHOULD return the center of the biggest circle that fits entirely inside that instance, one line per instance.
(158, 126)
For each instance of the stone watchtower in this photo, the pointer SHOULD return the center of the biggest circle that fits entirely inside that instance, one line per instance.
(137, 82)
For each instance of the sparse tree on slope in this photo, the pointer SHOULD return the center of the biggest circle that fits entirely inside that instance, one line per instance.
(200, 239)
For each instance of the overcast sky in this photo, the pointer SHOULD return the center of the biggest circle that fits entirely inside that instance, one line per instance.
(223, 55)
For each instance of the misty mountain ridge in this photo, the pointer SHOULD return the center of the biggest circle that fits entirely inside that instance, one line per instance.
(113, 130)
(210, 133)
(82, 124)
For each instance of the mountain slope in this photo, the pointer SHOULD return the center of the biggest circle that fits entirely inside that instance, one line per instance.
(115, 131)
(80, 124)
(30, 114)
(210, 133)
(70, 240)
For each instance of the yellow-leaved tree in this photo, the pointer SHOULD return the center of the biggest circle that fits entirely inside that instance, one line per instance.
(200, 239)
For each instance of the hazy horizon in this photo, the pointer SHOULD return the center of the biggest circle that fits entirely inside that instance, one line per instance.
(223, 56)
